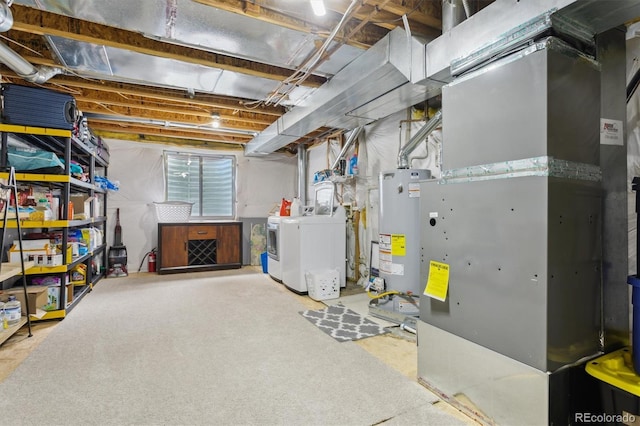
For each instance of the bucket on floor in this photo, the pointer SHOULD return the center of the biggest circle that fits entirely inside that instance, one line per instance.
(264, 261)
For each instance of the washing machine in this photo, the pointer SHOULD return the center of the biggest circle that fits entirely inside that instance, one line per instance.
(274, 248)
(314, 242)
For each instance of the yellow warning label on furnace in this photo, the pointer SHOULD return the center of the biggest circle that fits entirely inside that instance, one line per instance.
(438, 281)
(398, 245)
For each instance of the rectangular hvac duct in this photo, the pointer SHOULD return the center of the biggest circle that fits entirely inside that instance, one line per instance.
(376, 84)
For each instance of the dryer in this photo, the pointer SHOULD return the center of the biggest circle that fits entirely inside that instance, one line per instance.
(274, 248)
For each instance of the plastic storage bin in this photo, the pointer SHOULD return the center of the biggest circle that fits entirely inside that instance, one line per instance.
(173, 211)
(264, 260)
(323, 284)
(619, 387)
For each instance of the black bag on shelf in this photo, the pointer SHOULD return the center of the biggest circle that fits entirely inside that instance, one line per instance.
(37, 107)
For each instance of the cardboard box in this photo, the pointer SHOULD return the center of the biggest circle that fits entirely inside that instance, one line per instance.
(97, 208)
(47, 280)
(81, 206)
(38, 297)
(53, 295)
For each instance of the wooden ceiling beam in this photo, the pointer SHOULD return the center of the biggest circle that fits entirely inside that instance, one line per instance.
(35, 21)
(143, 114)
(107, 99)
(98, 126)
(75, 85)
(177, 141)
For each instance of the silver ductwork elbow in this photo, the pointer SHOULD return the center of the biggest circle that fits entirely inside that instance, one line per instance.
(24, 68)
(430, 126)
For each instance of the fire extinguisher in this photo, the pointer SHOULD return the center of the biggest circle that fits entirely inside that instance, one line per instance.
(152, 262)
(151, 266)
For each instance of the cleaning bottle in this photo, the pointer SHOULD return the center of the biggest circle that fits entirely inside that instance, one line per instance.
(12, 311)
(353, 165)
(4, 325)
(295, 207)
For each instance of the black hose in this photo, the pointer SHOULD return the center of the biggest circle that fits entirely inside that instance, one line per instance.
(144, 257)
(633, 84)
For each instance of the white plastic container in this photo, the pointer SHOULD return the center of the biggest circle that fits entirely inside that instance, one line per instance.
(2, 323)
(12, 311)
(295, 207)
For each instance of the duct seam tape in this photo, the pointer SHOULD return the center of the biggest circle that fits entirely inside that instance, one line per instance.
(537, 166)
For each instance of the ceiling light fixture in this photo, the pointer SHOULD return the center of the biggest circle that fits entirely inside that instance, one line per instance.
(318, 7)
(215, 120)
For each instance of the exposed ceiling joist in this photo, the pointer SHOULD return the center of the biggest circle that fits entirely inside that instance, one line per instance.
(34, 21)
(147, 109)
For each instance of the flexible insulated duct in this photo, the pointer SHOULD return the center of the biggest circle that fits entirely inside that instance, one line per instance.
(24, 68)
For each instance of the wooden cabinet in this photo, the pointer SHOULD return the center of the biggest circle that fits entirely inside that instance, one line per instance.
(185, 247)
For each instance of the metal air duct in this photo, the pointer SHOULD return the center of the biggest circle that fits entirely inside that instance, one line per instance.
(453, 13)
(302, 174)
(430, 126)
(388, 77)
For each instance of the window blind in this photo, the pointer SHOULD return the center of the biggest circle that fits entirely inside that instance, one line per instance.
(207, 181)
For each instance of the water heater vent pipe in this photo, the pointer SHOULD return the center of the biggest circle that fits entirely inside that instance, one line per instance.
(353, 136)
(430, 126)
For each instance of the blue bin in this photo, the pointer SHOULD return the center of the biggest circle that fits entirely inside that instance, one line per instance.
(264, 261)
(635, 331)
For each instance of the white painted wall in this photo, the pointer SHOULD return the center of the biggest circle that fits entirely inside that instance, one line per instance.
(261, 184)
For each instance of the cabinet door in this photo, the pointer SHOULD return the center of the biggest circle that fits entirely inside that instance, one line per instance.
(229, 244)
(173, 246)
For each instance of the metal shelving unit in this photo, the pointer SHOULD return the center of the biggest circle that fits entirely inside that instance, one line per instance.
(69, 148)
(9, 189)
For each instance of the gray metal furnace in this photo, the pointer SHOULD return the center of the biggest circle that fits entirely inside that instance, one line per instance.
(517, 216)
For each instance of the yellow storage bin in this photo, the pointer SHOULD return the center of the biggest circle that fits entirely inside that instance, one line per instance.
(619, 387)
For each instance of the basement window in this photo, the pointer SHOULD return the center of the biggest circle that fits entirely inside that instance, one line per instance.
(207, 181)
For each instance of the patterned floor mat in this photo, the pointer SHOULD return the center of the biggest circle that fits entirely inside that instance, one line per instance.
(342, 323)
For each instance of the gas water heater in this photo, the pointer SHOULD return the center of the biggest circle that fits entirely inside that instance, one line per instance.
(399, 237)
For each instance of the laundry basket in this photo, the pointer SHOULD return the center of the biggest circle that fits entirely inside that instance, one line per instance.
(173, 211)
(323, 284)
